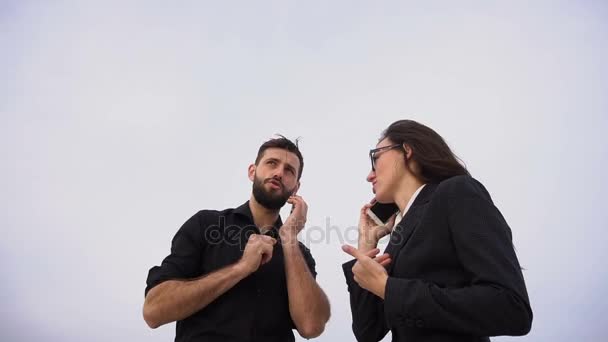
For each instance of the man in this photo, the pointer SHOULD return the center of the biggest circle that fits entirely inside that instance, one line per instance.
(241, 274)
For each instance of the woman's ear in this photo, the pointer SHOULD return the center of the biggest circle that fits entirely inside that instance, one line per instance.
(408, 151)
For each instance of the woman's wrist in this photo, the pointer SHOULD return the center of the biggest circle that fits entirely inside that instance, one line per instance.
(366, 243)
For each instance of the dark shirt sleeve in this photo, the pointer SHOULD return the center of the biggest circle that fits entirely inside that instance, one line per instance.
(185, 258)
(310, 261)
(495, 302)
(367, 309)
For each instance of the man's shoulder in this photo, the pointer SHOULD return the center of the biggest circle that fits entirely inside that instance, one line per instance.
(204, 216)
(203, 219)
(214, 212)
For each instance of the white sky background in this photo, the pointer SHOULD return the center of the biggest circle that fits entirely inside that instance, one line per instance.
(119, 121)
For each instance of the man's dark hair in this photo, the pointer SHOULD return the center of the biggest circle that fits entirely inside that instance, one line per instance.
(284, 143)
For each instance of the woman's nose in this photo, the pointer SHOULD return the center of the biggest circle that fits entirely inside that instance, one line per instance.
(371, 175)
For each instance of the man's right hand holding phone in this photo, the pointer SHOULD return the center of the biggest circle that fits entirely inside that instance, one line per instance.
(370, 232)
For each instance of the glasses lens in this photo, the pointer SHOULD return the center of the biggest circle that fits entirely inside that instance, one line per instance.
(373, 156)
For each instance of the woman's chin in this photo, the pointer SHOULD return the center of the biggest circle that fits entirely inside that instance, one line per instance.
(382, 198)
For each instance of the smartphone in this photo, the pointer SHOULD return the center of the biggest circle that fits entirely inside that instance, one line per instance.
(381, 212)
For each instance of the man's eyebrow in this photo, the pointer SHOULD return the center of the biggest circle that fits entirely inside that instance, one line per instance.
(290, 166)
(278, 160)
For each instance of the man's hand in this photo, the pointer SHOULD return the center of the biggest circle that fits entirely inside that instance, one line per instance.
(296, 220)
(369, 232)
(370, 273)
(258, 251)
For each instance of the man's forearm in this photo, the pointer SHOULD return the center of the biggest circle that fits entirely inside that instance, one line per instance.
(174, 300)
(308, 305)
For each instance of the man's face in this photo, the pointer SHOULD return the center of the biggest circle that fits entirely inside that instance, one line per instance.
(275, 177)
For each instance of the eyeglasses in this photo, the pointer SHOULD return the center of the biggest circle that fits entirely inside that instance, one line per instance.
(373, 154)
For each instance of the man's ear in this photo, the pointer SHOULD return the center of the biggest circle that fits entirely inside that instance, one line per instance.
(251, 172)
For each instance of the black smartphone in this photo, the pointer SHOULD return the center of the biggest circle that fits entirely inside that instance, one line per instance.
(381, 212)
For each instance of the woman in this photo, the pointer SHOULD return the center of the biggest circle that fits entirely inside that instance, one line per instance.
(449, 271)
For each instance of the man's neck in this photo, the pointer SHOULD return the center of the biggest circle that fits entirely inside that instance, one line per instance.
(263, 218)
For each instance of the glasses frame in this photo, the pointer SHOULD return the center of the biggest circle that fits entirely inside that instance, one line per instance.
(373, 152)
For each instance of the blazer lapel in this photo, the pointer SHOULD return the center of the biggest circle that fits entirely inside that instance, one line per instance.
(404, 229)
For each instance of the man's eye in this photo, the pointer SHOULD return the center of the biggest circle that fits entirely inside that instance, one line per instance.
(272, 162)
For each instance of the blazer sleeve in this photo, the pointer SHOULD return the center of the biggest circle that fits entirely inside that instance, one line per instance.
(495, 302)
(367, 309)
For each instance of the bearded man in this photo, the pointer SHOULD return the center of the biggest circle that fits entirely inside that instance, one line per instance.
(241, 274)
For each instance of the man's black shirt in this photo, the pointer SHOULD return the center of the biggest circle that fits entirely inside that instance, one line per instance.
(256, 308)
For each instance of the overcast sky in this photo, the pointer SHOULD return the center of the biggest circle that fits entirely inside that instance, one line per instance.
(120, 120)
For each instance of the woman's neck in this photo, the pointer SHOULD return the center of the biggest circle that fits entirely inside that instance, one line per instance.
(406, 190)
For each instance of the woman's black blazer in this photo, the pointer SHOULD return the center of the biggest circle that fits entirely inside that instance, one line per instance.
(454, 274)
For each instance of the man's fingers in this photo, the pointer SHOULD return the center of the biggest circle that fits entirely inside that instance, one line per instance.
(296, 198)
(265, 258)
(268, 239)
(266, 253)
(298, 201)
(259, 238)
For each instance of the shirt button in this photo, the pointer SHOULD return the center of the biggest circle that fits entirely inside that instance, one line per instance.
(419, 323)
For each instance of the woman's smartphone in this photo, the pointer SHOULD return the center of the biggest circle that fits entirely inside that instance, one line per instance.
(382, 212)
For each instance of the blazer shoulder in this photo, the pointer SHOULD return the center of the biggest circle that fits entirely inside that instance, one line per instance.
(463, 185)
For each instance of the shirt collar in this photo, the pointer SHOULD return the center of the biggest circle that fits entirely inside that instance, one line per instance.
(412, 199)
(245, 210)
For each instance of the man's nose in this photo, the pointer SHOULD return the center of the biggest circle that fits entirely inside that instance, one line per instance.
(278, 174)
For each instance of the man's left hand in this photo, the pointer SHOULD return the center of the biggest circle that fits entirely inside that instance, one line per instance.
(296, 220)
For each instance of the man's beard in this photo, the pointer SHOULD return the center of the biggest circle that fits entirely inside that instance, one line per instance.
(272, 200)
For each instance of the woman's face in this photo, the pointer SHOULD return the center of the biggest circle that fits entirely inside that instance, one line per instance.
(389, 171)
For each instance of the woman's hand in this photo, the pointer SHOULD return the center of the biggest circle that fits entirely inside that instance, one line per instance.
(369, 232)
(369, 270)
